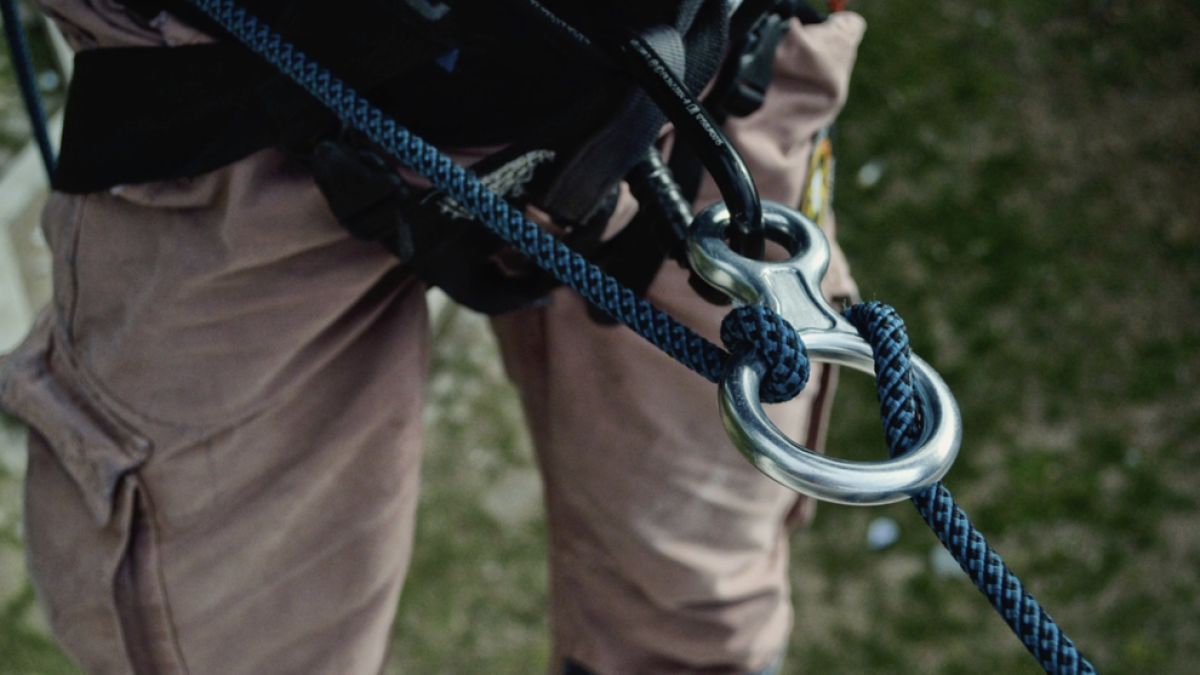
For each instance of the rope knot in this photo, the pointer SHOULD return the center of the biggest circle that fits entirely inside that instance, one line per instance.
(768, 334)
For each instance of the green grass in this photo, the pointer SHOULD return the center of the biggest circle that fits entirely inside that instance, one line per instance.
(479, 588)
(1036, 224)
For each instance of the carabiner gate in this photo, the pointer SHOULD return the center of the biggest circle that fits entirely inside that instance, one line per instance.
(792, 288)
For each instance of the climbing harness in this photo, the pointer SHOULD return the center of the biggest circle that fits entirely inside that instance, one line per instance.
(769, 360)
(572, 128)
(780, 347)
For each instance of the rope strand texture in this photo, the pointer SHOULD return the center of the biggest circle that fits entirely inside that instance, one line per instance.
(762, 330)
(660, 329)
(1057, 654)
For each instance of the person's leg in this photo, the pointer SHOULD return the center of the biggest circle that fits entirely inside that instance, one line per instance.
(668, 550)
(225, 405)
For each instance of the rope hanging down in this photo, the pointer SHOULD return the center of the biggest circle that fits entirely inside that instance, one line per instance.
(661, 330)
(18, 48)
(884, 330)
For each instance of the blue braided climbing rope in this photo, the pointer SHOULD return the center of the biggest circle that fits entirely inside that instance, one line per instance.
(884, 330)
(18, 48)
(749, 326)
(570, 268)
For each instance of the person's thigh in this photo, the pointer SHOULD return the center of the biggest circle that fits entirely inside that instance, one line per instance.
(224, 403)
(669, 550)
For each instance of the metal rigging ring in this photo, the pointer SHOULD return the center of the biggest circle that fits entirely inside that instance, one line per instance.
(793, 289)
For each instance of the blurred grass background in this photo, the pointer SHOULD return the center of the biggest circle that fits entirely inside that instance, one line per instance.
(1019, 179)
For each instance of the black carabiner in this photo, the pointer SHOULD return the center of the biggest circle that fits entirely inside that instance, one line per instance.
(692, 121)
(694, 124)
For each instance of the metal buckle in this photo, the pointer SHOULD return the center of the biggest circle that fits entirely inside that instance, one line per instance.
(793, 289)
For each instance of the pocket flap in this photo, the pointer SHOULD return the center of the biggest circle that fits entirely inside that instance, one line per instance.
(39, 385)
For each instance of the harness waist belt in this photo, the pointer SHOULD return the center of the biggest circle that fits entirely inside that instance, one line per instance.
(134, 117)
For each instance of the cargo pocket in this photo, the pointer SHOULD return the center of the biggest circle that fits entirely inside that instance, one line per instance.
(80, 499)
(40, 385)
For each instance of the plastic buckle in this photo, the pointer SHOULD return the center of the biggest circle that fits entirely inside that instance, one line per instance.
(793, 289)
(756, 66)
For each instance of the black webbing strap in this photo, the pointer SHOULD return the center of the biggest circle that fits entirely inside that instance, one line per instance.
(135, 117)
(692, 44)
(365, 41)
(636, 253)
(144, 114)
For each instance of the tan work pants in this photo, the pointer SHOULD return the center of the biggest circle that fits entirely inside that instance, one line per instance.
(225, 404)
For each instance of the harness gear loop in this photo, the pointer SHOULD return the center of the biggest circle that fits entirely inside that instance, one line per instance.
(792, 289)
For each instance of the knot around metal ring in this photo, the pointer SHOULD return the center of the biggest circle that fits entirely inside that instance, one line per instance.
(761, 330)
